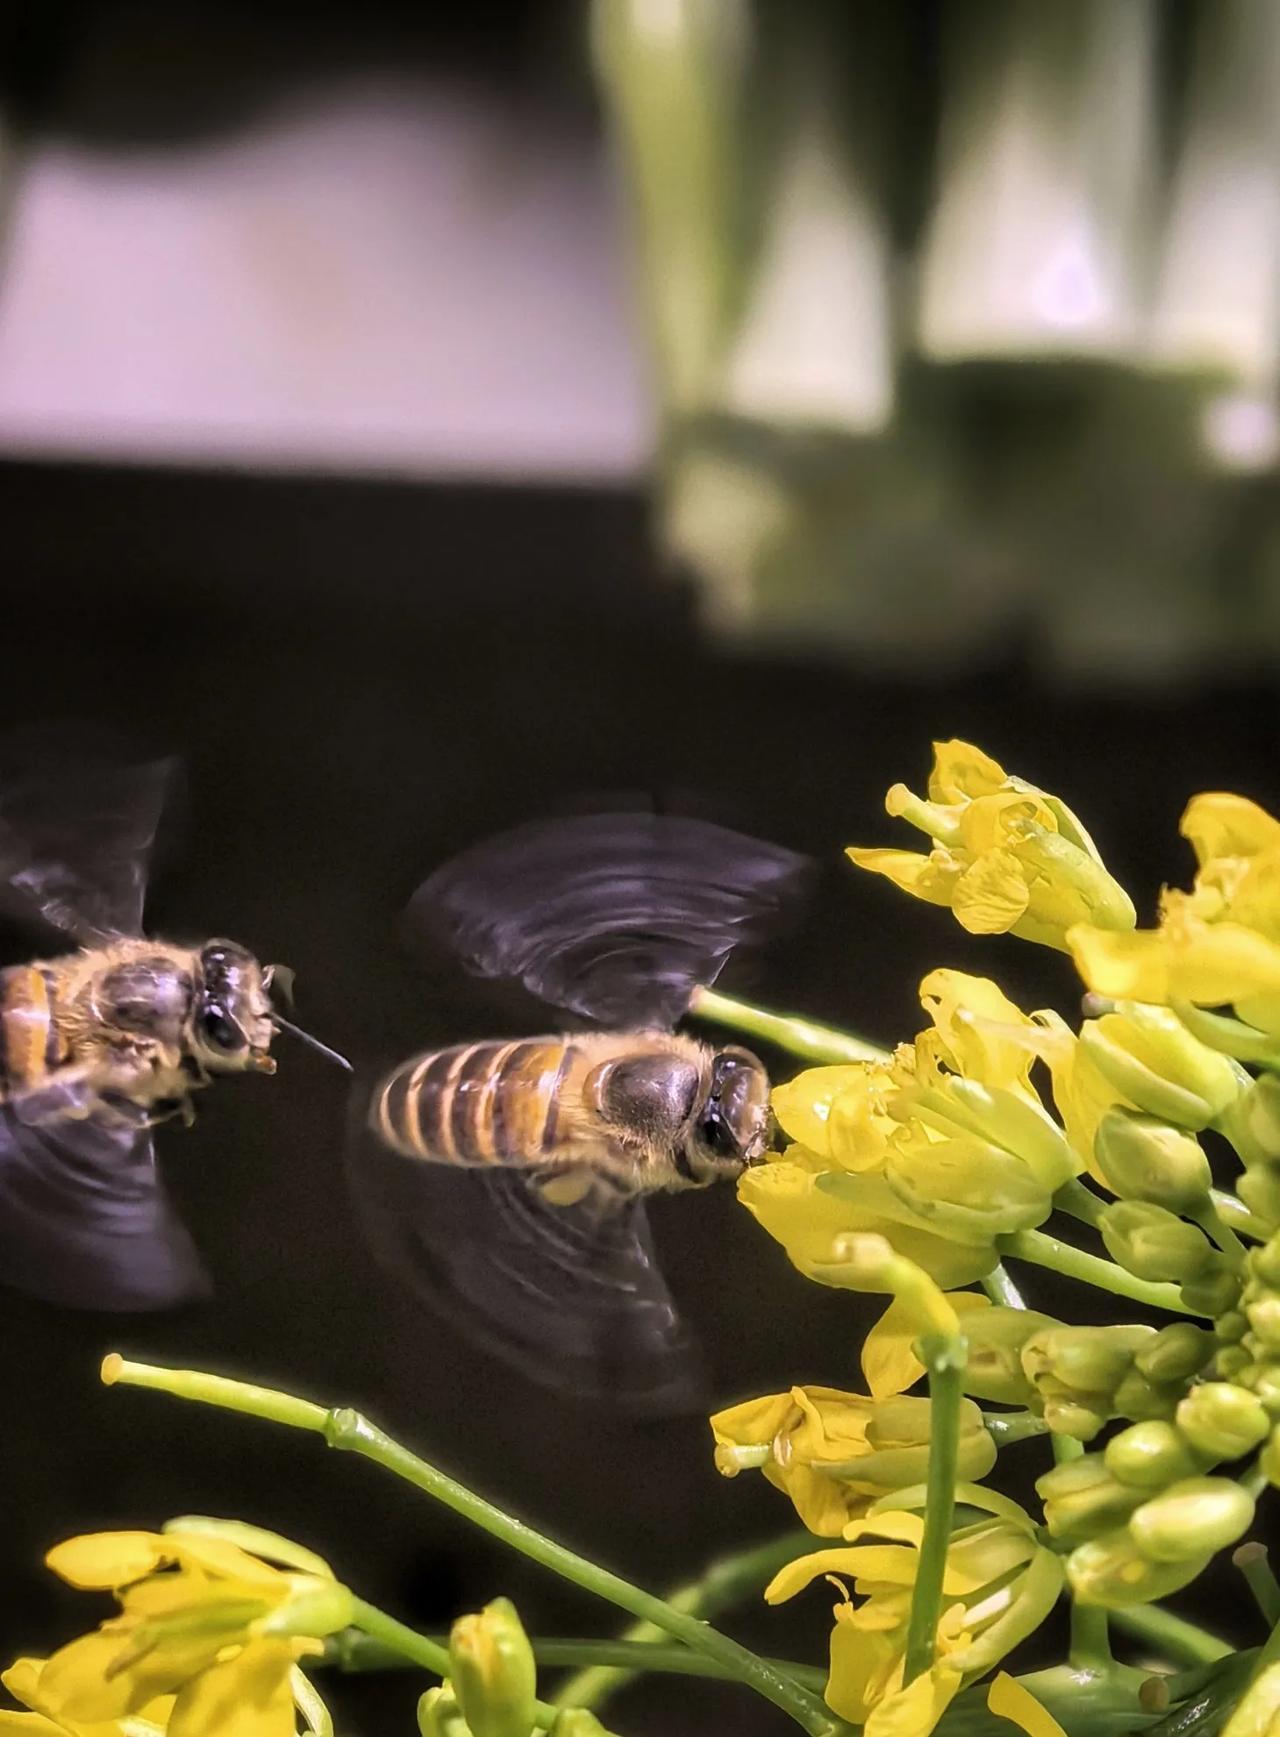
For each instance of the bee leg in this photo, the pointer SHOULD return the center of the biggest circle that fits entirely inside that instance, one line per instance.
(67, 1095)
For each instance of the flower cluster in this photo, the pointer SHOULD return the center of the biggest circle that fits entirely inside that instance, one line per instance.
(952, 1151)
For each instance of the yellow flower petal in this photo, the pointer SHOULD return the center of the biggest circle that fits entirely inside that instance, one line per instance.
(248, 1695)
(838, 1114)
(915, 1710)
(962, 772)
(991, 895)
(1007, 1699)
(861, 1669)
(1218, 824)
(888, 1362)
(832, 1425)
(101, 1561)
(970, 1014)
(932, 878)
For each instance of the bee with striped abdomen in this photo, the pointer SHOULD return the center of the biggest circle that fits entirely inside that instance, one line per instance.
(507, 1178)
(105, 1038)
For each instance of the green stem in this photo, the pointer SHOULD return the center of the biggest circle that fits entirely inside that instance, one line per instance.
(347, 1430)
(1235, 1213)
(420, 1649)
(1001, 1288)
(1081, 1202)
(802, 1037)
(1074, 1263)
(719, 1588)
(1011, 1426)
(1180, 1641)
(1220, 1232)
(1251, 1560)
(355, 1651)
(944, 1357)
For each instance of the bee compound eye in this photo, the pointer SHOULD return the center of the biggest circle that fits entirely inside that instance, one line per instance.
(220, 1029)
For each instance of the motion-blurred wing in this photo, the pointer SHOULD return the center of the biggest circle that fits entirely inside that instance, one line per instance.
(615, 916)
(77, 827)
(570, 1295)
(85, 1220)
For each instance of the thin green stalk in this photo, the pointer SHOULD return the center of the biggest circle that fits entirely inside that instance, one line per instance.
(1251, 1559)
(356, 1651)
(944, 1356)
(802, 1037)
(1235, 1213)
(347, 1430)
(1180, 1641)
(719, 1588)
(1001, 1288)
(1081, 1202)
(1074, 1263)
(419, 1649)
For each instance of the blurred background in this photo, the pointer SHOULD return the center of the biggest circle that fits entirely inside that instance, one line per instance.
(415, 417)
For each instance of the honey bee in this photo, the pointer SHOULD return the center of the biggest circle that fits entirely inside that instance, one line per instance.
(99, 1044)
(507, 1178)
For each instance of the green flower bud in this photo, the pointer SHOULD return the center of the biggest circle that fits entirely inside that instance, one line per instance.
(1222, 1421)
(1083, 1498)
(1264, 1382)
(1140, 1399)
(1113, 1572)
(1215, 1290)
(439, 1714)
(899, 1432)
(1143, 1159)
(1253, 1124)
(1177, 1352)
(1264, 1322)
(1151, 1242)
(1151, 1059)
(996, 1336)
(999, 1118)
(1149, 1456)
(1231, 1363)
(1264, 1264)
(967, 1188)
(1071, 1417)
(492, 1670)
(1231, 1327)
(1259, 1188)
(1087, 1360)
(577, 1722)
(1191, 1520)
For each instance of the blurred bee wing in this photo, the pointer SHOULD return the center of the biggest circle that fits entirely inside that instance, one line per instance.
(85, 1220)
(572, 1296)
(77, 827)
(615, 916)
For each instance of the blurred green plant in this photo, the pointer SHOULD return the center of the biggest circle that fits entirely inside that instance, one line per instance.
(962, 318)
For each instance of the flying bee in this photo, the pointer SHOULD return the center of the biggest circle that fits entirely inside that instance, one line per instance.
(507, 1178)
(99, 1044)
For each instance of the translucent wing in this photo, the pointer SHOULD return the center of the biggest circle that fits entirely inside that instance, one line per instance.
(77, 827)
(614, 916)
(571, 1295)
(85, 1220)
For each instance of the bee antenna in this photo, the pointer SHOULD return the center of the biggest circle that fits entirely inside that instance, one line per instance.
(283, 1024)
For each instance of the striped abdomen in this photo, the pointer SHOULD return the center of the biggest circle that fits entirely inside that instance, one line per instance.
(478, 1103)
(29, 1043)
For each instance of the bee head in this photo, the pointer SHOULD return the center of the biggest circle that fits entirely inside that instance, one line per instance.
(231, 1024)
(732, 1124)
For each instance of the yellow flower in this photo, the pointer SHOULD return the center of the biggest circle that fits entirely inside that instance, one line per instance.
(22, 1679)
(202, 1620)
(1006, 857)
(838, 1116)
(799, 1209)
(889, 1362)
(998, 1586)
(835, 1453)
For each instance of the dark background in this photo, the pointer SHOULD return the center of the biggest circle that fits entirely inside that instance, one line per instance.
(362, 678)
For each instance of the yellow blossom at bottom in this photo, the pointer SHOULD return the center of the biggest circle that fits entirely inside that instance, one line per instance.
(22, 1680)
(207, 1629)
